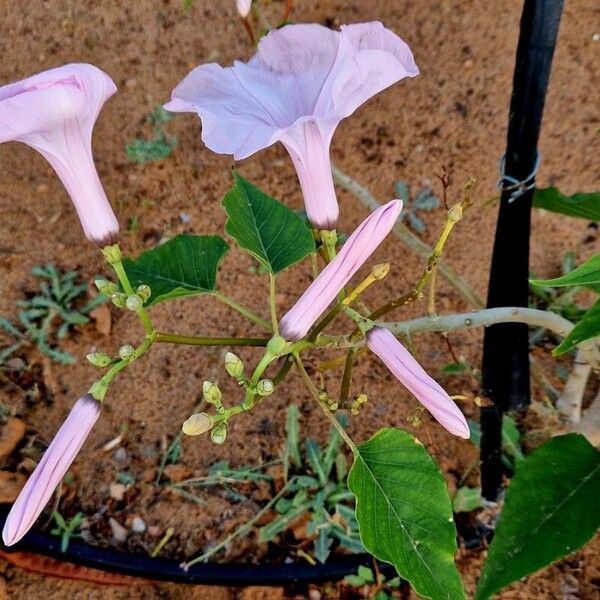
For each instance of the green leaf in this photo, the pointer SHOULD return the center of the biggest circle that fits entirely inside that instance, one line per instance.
(587, 328)
(314, 458)
(587, 274)
(275, 235)
(467, 499)
(322, 548)
(583, 205)
(511, 438)
(292, 441)
(366, 574)
(549, 511)
(280, 523)
(184, 266)
(404, 512)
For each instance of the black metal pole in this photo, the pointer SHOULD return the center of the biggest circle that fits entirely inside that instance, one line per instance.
(505, 368)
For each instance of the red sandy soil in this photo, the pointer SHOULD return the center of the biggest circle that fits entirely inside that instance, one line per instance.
(453, 114)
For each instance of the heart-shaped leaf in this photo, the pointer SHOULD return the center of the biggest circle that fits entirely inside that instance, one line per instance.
(184, 266)
(275, 235)
(404, 512)
(550, 511)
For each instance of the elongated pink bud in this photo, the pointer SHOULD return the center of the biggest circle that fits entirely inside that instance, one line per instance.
(243, 7)
(322, 291)
(50, 470)
(411, 374)
(55, 112)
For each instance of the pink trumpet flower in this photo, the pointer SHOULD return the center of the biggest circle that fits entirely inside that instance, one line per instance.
(55, 112)
(50, 470)
(411, 374)
(302, 81)
(322, 291)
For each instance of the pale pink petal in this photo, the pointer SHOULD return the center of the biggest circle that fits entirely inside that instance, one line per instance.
(322, 291)
(303, 80)
(50, 470)
(411, 374)
(55, 112)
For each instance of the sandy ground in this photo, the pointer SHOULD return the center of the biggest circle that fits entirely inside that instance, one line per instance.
(454, 114)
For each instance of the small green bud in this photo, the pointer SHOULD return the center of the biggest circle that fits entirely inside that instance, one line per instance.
(126, 351)
(455, 213)
(134, 302)
(265, 387)
(99, 359)
(218, 434)
(380, 271)
(197, 424)
(211, 393)
(276, 345)
(119, 299)
(144, 292)
(234, 365)
(108, 288)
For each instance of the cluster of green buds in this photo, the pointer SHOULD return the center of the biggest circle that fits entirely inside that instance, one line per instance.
(331, 404)
(132, 302)
(102, 360)
(356, 404)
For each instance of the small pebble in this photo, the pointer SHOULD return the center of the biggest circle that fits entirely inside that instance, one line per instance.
(121, 455)
(138, 525)
(596, 37)
(117, 491)
(119, 532)
(185, 217)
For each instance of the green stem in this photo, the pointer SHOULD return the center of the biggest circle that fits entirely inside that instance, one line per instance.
(347, 377)
(100, 387)
(272, 304)
(193, 340)
(242, 310)
(126, 285)
(310, 386)
(406, 236)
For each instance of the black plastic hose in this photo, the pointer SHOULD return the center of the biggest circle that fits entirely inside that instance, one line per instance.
(165, 569)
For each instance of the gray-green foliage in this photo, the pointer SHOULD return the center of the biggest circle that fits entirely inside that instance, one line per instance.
(48, 315)
(159, 146)
(425, 200)
(66, 530)
(318, 492)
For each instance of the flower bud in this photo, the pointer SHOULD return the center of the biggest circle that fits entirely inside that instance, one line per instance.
(243, 7)
(134, 302)
(119, 299)
(381, 270)
(455, 213)
(197, 424)
(144, 292)
(126, 351)
(99, 359)
(211, 393)
(218, 434)
(234, 365)
(356, 404)
(265, 387)
(108, 288)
